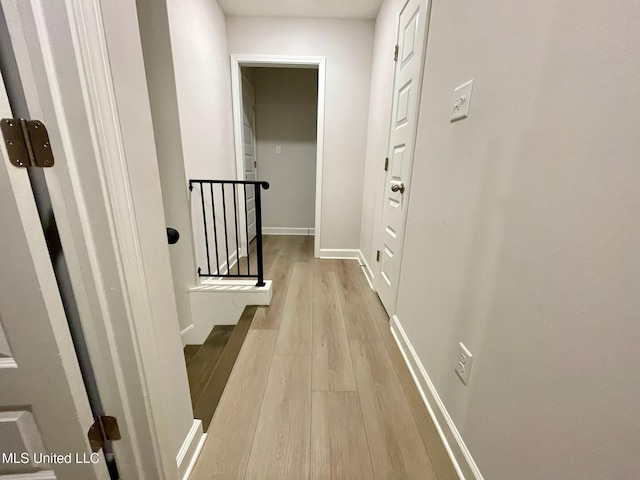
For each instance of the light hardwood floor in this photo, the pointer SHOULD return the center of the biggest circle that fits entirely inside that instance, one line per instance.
(320, 390)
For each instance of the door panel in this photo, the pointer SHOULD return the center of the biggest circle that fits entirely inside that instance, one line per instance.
(43, 404)
(19, 435)
(248, 145)
(411, 39)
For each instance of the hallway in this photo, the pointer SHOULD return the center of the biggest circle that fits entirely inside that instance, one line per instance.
(319, 389)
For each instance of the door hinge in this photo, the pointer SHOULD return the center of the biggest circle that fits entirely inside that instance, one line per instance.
(395, 54)
(27, 142)
(103, 430)
(386, 164)
(377, 255)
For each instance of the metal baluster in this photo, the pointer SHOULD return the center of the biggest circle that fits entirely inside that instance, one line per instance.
(226, 234)
(259, 234)
(206, 236)
(246, 228)
(235, 219)
(215, 229)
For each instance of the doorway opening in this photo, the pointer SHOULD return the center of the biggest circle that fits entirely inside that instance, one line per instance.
(278, 105)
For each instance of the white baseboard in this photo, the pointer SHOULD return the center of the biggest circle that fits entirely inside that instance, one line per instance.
(287, 231)
(463, 463)
(233, 259)
(367, 269)
(184, 332)
(339, 253)
(349, 254)
(190, 450)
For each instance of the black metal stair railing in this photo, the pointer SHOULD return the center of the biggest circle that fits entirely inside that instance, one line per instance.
(221, 216)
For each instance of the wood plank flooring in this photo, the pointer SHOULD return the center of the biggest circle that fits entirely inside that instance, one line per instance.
(319, 390)
(205, 404)
(226, 451)
(203, 363)
(281, 444)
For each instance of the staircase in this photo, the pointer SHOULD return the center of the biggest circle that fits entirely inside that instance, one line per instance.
(209, 365)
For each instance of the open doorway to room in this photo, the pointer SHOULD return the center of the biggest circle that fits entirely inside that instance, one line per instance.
(280, 107)
(278, 124)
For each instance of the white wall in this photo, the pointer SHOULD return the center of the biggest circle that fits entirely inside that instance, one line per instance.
(156, 45)
(203, 84)
(286, 116)
(347, 45)
(522, 238)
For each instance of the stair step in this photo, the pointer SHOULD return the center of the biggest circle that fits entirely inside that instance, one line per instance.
(207, 402)
(205, 360)
(190, 352)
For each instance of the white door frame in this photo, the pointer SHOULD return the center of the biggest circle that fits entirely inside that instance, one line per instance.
(281, 61)
(100, 215)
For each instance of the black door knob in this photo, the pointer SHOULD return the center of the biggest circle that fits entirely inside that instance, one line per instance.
(172, 235)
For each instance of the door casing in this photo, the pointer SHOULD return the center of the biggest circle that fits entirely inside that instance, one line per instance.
(280, 61)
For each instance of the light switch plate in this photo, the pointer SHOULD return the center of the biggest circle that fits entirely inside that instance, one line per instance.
(461, 101)
(465, 361)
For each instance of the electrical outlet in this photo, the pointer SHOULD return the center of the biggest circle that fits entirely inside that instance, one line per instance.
(465, 361)
(461, 101)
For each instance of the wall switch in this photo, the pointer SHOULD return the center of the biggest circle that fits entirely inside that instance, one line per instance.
(278, 149)
(463, 366)
(461, 101)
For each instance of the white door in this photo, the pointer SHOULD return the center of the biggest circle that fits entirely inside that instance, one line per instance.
(43, 405)
(411, 41)
(78, 70)
(249, 151)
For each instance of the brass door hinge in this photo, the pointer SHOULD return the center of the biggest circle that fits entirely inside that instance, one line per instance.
(377, 255)
(395, 54)
(386, 164)
(103, 430)
(27, 142)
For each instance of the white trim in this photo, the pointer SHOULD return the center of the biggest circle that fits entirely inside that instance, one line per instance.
(451, 438)
(99, 92)
(227, 298)
(194, 459)
(340, 253)
(287, 231)
(186, 330)
(322, 81)
(42, 475)
(8, 363)
(191, 447)
(238, 61)
(233, 259)
(366, 269)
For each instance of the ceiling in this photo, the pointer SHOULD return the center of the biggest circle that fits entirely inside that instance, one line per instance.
(363, 9)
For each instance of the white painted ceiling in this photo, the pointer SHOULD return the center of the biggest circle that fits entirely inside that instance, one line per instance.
(364, 9)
